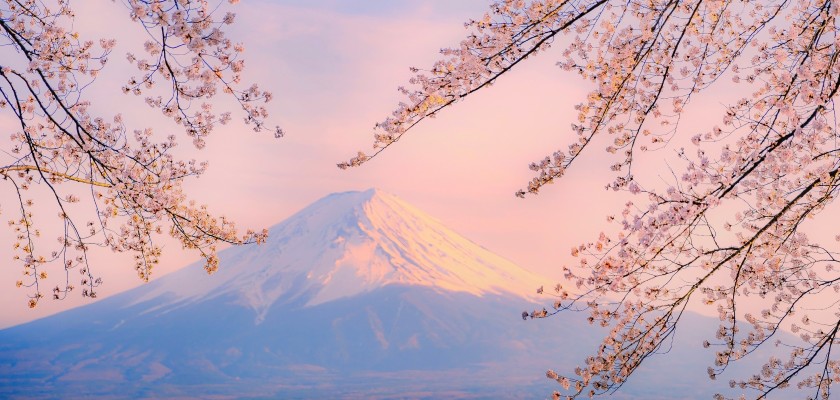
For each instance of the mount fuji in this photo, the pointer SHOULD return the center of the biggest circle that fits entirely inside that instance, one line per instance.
(342, 246)
(358, 295)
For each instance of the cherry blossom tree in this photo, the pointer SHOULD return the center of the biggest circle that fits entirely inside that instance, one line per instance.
(98, 181)
(729, 231)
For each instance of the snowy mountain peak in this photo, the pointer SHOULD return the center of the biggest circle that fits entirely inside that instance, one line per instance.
(347, 244)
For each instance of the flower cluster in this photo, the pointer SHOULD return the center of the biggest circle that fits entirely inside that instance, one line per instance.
(731, 225)
(189, 55)
(110, 185)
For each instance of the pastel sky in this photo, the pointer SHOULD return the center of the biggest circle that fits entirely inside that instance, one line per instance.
(334, 67)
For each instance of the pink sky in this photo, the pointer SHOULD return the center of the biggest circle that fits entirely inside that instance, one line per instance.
(334, 70)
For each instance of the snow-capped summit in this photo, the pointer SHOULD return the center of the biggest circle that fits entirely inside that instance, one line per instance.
(359, 295)
(343, 245)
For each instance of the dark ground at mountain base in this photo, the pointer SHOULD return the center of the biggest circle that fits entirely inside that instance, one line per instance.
(448, 384)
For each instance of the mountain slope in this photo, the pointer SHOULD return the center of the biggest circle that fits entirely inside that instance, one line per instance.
(357, 296)
(343, 245)
(357, 282)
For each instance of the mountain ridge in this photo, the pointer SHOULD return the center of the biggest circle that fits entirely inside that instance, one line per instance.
(320, 311)
(343, 245)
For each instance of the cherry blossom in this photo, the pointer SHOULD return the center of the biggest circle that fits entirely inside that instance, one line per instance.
(729, 229)
(112, 185)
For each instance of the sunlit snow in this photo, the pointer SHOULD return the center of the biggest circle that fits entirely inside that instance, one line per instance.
(372, 239)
